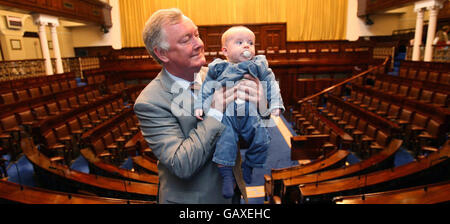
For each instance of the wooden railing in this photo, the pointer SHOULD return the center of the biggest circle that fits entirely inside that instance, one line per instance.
(19, 69)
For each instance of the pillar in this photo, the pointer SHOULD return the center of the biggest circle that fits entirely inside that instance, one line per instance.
(431, 33)
(56, 50)
(418, 34)
(44, 48)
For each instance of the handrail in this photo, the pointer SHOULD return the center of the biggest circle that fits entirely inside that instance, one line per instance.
(343, 82)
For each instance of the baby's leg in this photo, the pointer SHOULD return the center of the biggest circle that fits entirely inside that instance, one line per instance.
(229, 181)
(258, 139)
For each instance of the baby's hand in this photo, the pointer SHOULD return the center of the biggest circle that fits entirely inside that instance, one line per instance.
(198, 114)
(276, 112)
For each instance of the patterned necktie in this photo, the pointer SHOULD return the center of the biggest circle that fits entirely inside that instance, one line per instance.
(194, 87)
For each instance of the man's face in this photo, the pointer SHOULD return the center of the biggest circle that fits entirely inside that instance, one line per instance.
(237, 43)
(186, 52)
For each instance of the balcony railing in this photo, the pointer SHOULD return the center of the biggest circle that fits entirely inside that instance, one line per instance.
(10, 70)
(441, 53)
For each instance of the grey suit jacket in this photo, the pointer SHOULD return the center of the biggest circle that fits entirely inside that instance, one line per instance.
(183, 145)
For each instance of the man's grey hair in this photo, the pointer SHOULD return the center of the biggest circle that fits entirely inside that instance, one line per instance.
(154, 34)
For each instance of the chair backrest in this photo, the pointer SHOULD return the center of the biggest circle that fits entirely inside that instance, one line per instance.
(53, 107)
(385, 86)
(26, 116)
(72, 83)
(82, 98)
(46, 90)
(98, 146)
(108, 138)
(377, 84)
(426, 95)
(403, 90)
(63, 104)
(8, 98)
(90, 96)
(403, 72)
(35, 92)
(9, 122)
(384, 106)
(422, 76)
(382, 138)
(93, 115)
(440, 99)
(433, 127)
(334, 138)
(393, 111)
(405, 115)
(123, 127)
(362, 124)
(414, 92)
(366, 100)
(393, 87)
(40, 111)
(420, 120)
(55, 87)
(445, 78)
(62, 131)
(412, 73)
(353, 120)
(371, 131)
(74, 125)
(109, 108)
(374, 103)
(359, 97)
(433, 76)
(116, 133)
(73, 101)
(84, 119)
(50, 138)
(23, 94)
(97, 93)
(64, 85)
(101, 111)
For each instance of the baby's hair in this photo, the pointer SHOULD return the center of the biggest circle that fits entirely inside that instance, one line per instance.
(229, 31)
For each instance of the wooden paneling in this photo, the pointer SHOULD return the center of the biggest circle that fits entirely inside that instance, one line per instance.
(366, 7)
(268, 36)
(85, 10)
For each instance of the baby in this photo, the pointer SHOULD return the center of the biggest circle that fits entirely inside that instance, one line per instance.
(241, 119)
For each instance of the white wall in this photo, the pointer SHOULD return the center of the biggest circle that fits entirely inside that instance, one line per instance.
(89, 36)
(31, 48)
(384, 23)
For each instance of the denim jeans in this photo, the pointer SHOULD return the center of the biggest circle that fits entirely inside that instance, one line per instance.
(246, 125)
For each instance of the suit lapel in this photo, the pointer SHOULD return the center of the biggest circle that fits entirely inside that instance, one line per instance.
(181, 98)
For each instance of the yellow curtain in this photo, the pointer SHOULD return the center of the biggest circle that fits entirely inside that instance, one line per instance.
(305, 19)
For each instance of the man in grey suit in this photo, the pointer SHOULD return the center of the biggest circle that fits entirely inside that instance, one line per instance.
(184, 145)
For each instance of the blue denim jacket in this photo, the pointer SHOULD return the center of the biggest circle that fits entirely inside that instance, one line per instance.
(221, 71)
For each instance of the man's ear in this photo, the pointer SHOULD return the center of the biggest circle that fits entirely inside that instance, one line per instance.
(161, 54)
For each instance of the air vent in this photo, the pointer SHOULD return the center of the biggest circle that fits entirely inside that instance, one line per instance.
(14, 23)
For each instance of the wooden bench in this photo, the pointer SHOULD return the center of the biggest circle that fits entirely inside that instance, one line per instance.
(12, 192)
(60, 176)
(434, 167)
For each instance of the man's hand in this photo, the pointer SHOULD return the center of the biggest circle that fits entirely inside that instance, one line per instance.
(276, 112)
(198, 114)
(222, 97)
(250, 89)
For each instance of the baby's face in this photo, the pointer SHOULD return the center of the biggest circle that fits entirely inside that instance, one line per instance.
(237, 43)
